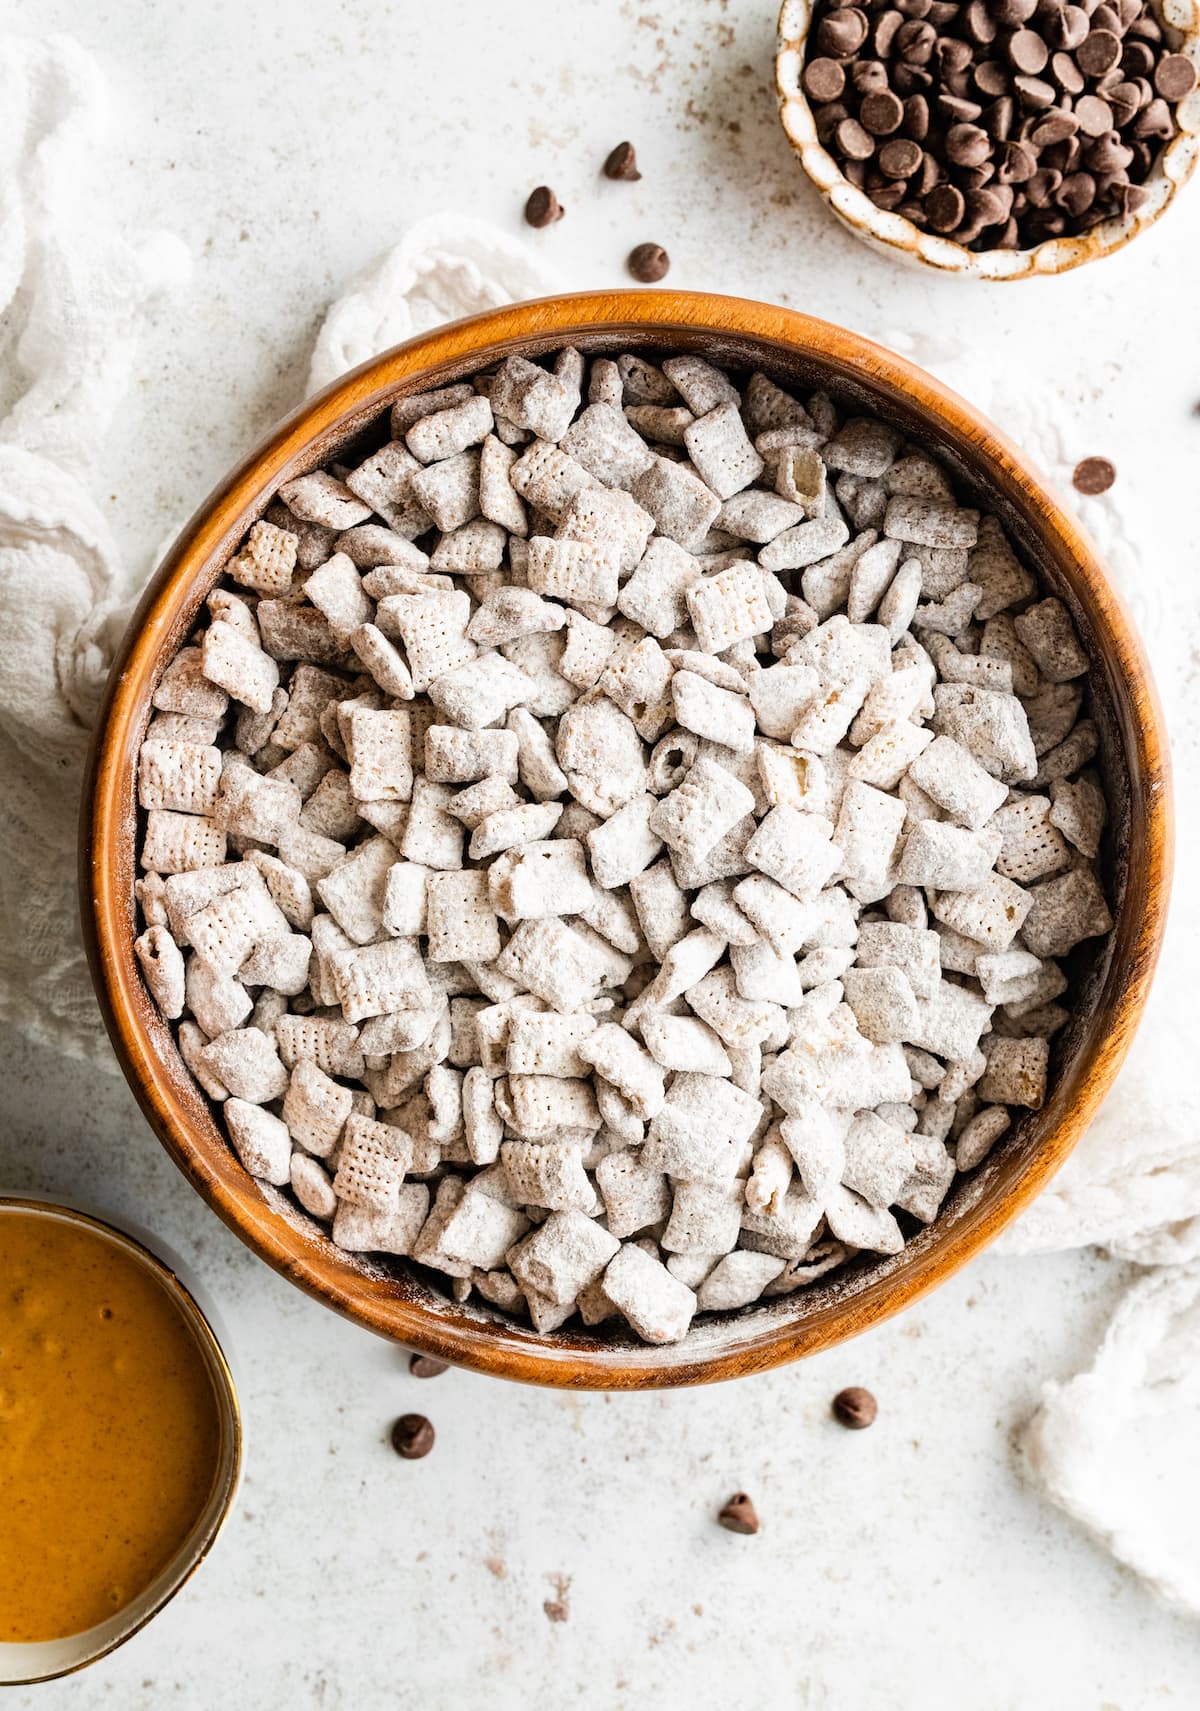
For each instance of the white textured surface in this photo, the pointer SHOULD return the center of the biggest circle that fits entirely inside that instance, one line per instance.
(288, 144)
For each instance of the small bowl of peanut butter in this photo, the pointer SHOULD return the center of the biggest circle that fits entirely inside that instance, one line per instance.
(120, 1438)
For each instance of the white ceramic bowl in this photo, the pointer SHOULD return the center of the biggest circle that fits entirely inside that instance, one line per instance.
(893, 235)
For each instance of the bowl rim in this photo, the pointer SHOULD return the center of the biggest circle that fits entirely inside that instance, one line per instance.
(108, 862)
(896, 235)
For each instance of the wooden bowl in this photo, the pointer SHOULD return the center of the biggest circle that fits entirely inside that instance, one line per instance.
(1114, 977)
(893, 235)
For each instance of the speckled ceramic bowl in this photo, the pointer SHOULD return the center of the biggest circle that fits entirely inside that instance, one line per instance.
(895, 236)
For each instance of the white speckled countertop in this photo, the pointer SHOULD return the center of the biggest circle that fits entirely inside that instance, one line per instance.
(911, 1565)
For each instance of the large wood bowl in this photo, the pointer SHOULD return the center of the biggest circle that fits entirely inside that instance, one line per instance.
(1114, 978)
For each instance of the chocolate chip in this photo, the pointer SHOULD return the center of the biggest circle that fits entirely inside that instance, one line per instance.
(1175, 77)
(914, 42)
(427, 1366)
(881, 114)
(1013, 13)
(1108, 154)
(899, 158)
(1041, 187)
(1028, 52)
(981, 23)
(914, 8)
(739, 1515)
(886, 26)
(824, 80)
(853, 141)
(1147, 28)
(1095, 116)
(929, 176)
(888, 196)
(1154, 120)
(1130, 198)
(1094, 475)
(910, 78)
(1106, 17)
(842, 33)
(991, 78)
(648, 263)
(622, 163)
(828, 118)
(543, 207)
(868, 76)
(1056, 126)
(952, 54)
(412, 1436)
(967, 145)
(916, 118)
(975, 177)
(1099, 51)
(855, 1408)
(1019, 164)
(1076, 193)
(1066, 26)
(997, 119)
(1137, 59)
(955, 111)
(945, 207)
(1035, 93)
(1124, 99)
(1066, 73)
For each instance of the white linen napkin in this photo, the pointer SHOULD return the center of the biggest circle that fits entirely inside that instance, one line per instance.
(1113, 1446)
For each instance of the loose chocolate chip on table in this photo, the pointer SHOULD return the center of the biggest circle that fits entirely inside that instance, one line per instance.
(1175, 77)
(824, 80)
(648, 263)
(1094, 475)
(622, 163)
(412, 1436)
(855, 1407)
(881, 114)
(1028, 52)
(427, 1366)
(739, 1515)
(899, 158)
(543, 207)
(1098, 52)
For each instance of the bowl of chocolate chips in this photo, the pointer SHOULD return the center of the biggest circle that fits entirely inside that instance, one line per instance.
(998, 139)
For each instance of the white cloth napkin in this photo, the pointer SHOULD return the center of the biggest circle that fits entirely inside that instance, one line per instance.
(1113, 1446)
